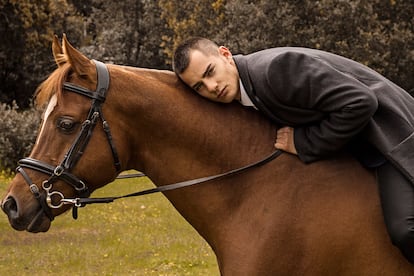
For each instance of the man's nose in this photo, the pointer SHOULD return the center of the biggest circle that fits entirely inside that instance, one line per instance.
(211, 86)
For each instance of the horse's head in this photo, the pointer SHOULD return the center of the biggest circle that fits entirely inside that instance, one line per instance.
(74, 152)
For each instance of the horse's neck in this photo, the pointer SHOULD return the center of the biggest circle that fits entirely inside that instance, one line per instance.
(178, 135)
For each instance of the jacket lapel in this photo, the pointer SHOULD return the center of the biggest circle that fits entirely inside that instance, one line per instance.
(242, 67)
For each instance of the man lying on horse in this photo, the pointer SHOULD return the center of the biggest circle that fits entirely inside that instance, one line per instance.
(324, 103)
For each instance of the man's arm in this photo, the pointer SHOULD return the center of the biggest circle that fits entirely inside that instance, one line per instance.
(307, 82)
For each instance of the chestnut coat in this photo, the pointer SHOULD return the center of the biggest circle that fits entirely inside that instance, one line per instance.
(330, 101)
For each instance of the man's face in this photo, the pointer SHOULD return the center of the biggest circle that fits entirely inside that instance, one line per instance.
(214, 77)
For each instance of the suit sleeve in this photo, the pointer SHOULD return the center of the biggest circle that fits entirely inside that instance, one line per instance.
(307, 82)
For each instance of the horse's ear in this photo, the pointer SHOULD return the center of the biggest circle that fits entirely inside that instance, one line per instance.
(58, 52)
(80, 63)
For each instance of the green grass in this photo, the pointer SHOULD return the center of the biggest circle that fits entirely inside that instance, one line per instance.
(133, 236)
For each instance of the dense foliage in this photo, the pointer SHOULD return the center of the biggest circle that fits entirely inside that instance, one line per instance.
(18, 131)
(378, 33)
(26, 31)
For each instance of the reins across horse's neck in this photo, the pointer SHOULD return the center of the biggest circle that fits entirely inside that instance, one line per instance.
(82, 202)
(51, 199)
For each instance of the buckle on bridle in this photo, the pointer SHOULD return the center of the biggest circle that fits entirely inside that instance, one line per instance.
(35, 190)
(59, 170)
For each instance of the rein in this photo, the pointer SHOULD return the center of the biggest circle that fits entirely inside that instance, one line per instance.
(82, 202)
(54, 199)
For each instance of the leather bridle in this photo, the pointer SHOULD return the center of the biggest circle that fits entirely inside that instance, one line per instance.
(49, 199)
(63, 170)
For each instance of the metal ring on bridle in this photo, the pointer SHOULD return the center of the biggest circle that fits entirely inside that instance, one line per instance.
(50, 194)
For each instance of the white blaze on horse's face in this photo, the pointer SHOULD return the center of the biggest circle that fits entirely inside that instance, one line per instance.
(49, 109)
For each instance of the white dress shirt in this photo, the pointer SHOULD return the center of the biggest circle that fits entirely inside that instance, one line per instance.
(244, 98)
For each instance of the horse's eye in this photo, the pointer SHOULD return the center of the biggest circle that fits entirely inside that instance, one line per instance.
(66, 124)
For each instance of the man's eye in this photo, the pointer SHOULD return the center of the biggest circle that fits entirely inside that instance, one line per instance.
(211, 71)
(197, 87)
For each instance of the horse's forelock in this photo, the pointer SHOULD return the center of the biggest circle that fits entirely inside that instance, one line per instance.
(52, 85)
(61, 59)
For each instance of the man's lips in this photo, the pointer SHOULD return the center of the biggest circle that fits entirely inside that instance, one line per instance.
(222, 93)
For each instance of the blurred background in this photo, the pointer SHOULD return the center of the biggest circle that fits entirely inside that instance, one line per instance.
(147, 236)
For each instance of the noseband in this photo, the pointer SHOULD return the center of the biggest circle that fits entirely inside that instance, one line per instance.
(72, 156)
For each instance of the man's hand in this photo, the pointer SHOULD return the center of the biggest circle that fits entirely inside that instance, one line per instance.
(285, 140)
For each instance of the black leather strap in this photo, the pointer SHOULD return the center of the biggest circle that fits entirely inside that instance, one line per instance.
(41, 197)
(47, 169)
(81, 202)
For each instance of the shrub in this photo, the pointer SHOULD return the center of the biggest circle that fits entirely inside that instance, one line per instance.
(18, 131)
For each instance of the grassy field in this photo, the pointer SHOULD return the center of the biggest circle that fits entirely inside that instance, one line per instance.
(135, 236)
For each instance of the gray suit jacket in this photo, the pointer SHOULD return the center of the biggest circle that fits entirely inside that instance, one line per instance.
(330, 100)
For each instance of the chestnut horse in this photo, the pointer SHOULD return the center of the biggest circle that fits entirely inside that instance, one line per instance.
(282, 218)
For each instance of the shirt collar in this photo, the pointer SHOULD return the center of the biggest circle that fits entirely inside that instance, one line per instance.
(244, 98)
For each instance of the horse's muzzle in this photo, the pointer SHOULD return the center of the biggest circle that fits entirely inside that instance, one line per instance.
(35, 222)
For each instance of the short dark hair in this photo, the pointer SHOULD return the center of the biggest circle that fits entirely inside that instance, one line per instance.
(181, 57)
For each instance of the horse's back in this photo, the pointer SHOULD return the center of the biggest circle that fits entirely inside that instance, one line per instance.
(286, 217)
(322, 218)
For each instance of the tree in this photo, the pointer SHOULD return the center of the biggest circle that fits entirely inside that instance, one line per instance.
(144, 33)
(27, 30)
(189, 18)
(130, 37)
(377, 33)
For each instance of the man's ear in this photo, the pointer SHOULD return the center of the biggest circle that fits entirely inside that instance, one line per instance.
(225, 52)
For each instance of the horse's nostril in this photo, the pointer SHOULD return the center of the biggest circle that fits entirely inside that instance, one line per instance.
(9, 206)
